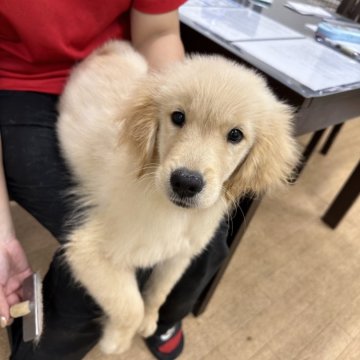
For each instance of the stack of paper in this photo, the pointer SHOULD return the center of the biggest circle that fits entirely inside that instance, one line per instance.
(305, 9)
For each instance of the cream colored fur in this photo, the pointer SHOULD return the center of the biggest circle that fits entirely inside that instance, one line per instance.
(116, 133)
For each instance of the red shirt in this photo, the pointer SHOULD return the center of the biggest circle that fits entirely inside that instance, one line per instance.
(41, 40)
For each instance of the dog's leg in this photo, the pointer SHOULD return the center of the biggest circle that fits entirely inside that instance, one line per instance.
(114, 289)
(162, 280)
(125, 310)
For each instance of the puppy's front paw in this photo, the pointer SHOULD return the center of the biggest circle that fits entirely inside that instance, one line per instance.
(115, 340)
(149, 324)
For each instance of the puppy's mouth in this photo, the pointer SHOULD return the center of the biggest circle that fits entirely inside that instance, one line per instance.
(183, 202)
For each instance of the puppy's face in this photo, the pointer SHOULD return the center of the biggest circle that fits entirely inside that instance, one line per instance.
(215, 131)
(201, 142)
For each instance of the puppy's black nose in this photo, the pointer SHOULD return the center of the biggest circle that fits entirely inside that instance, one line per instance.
(186, 183)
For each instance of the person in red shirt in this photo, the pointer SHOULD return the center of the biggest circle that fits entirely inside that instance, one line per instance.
(40, 41)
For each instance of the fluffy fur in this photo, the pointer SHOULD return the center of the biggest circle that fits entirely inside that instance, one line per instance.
(117, 136)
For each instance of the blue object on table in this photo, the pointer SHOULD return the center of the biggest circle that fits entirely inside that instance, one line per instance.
(338, 32)
(345, 48)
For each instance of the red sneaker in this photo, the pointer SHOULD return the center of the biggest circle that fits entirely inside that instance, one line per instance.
(166, 344)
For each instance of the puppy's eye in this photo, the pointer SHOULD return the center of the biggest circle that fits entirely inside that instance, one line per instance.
(235, 136)
(178, 118)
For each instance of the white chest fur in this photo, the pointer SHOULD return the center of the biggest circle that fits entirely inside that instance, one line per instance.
(145, 224)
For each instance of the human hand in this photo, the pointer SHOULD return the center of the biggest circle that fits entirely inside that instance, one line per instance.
(14, 268)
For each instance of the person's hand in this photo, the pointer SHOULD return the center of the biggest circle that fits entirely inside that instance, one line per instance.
(14, 268)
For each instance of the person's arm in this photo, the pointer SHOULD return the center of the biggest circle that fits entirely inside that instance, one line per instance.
(157, 37)
(14, 267)
(6, 226)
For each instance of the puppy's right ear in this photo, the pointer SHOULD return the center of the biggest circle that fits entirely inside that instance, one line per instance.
(141, 123)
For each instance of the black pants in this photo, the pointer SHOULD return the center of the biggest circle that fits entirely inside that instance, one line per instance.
(37, 179)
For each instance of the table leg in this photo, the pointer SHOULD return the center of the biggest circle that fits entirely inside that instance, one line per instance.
(332, 136)
(343, 201)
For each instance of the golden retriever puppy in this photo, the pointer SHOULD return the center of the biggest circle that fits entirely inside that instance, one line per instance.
(159, 159)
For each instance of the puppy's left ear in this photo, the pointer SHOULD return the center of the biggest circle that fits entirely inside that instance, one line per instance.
(142, 123)
(271, 159)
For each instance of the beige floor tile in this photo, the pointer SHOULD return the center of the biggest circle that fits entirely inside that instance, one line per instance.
(352, 352)
(253, 336)
(232, 309)
(264, 354)
(138, 351)
(329, 294)
(197, 340)
(349, 318)
(217, 355)
(327, 345)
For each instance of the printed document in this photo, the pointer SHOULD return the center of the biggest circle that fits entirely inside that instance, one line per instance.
(233, 24)
(306, 61)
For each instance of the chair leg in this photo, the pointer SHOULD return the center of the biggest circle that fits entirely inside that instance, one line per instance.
(344, 199)
(332, 136)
